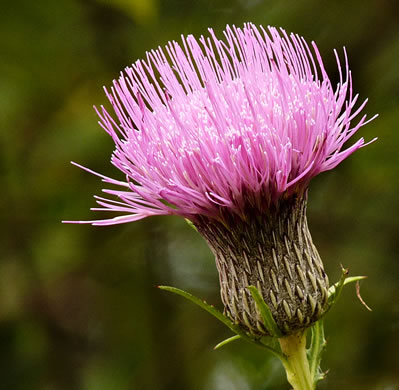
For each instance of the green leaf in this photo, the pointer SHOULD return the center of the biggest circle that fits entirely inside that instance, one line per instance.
(265, 312)
(317, 346)
(348, 280)
(225, 320)
(318, 342)
(335, 290)
(227, 341)
(212, 310)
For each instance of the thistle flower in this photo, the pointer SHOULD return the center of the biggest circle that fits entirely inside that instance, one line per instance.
(228, 134)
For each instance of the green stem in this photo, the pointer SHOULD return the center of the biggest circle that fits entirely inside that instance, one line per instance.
(297, 364)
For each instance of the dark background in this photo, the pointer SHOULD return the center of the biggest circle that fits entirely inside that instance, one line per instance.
(78, 304)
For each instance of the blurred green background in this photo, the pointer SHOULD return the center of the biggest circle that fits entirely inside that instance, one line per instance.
(78, 304)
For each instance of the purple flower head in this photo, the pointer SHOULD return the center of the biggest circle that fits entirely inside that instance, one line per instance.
(209, 127)
(229, 133)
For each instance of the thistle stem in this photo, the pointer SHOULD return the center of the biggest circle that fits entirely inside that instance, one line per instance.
(297, 364)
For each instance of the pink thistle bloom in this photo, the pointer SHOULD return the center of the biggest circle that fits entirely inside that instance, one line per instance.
(229, 133)
(212, 125)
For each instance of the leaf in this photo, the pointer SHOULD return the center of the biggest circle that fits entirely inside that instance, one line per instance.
(209, 308)
(335, 290)
(317, 346)
(265, 312)
(318, 342)
(225, 320)
(227, 341)
(212, 310)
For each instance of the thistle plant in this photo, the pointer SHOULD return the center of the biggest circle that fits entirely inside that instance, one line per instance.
(228, 134)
